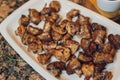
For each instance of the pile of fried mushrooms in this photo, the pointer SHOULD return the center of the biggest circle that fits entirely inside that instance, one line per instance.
(87, 57)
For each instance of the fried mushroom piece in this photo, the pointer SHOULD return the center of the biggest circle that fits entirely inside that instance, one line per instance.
(35, 46)
(21, 30)
(85, 31)
(83, 20)
(114, 40)
(104, 76)
(58, 29)
(34, 16)
(34, 30)
(49, 45)
(73, 66)
(72, 28)
(47, 26)
(100, 58)
(88, 69)
(99, 36)
(71, 14)
(62, 53)
(96, 26)
(56, 68)
(84, 58)
(88, 46)
(72, 44)
(56, 36)
(45, 37)
(66, 37)
(24, 20)
(44, 58)
(99, 68)
(46, 11)
(56, 5)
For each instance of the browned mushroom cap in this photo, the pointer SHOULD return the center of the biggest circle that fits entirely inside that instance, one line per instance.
(49, 45)
(47, 11)
(62, 53)
(58, 29)
(73, 65)
(24, 20)
(72, 28)
(56, 68)
(66, 37)
(72, 13)
(35, 46)
(45, 37)
(99, 36)
(34, 30)
(85, 31)
(77, 1)
(96, 26)
(56, 36)
(84, 58)
(63, 23)
(88, 69)
(34, 16)
(99, 68)
(109, 48)
(72, 44)
(114, 40)
(104, 76)
(44, 58)
(56, 5)
(83, 20)
(101, 57)
(21, 30)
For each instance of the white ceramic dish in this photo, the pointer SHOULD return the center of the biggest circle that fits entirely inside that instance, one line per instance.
(10, 24)
(109, 5)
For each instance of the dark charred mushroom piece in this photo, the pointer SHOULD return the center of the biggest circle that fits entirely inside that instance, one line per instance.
(114, 40)
(88, 69)
(24, 20)
(56, 5)
(71, 14)
(34, 30)
(44, 58)
(84, 58)
(34, 16)
(56, 68)
(96, 26)
(104, 76)
(73, 66)
(99, 68)
(88, 46)
(72, 44)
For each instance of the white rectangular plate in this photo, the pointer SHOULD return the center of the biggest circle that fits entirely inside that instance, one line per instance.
(10, 24)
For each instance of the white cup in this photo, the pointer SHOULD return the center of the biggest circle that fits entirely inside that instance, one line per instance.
(109, 5)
